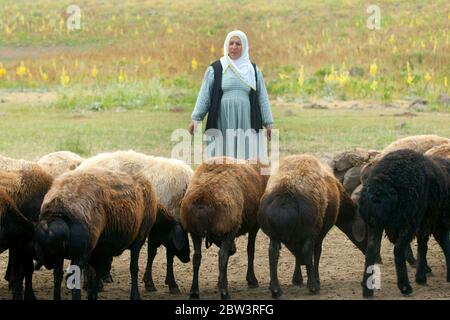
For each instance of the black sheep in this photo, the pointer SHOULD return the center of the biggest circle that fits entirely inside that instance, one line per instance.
(406, 194)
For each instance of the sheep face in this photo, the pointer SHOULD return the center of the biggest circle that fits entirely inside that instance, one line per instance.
(179, 243)
(51, 240)
(57, 239)
(378, 201)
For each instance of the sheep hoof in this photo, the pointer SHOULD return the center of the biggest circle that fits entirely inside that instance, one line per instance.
(224, 295)
(252, 282)
(150, 287)
(421, 280)
(367, 293)
(276, 293)
(135, 296)
(29, 296)
(406, 290)
(107, 279)
(174, 290)
(314, 289)
(194, 296)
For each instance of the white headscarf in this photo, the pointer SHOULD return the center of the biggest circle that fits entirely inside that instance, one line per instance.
(242, 66)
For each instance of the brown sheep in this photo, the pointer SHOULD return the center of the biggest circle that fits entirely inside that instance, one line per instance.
(91, 215)
(302, 201)
(16, 232)
(419, 143)
(220, 204)
(27, 188)
(442, 151)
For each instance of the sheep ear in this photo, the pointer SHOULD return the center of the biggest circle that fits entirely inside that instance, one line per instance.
(359, 229)
(178, 237)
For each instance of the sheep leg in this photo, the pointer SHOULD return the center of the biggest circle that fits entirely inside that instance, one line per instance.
(373, 250)
(76, 292)
(8, 269)
(308, 254)
(274, 254)
(17, 273)
(317, 254)
(422, 248)
(410, 256)
(251, 278)
(224, 254)
(196, 260)
(29, 269)
(57, 279)
(170, 277)
(442, 237)
(400, 266)
(93, 283)
(148, 279)
(134, 269)
(297, 278)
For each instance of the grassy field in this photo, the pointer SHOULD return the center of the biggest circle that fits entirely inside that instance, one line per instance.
(139, 54)
(131, 74)
(32, 131)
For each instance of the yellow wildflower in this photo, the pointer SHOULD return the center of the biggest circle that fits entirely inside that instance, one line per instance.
(64, 78)
(21, 70)
(301, 76)
(427, 77)
(194, 64)
(94, 72)
(122, 76)
(2, 71)
(392, 39)
(373, 69)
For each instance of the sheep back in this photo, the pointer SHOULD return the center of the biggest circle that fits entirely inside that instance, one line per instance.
(223, 196)
(170, 177)
(112, 205)
(57, 163)
(301, 198)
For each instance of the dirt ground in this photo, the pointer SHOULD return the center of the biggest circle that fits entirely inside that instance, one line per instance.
(341, 268)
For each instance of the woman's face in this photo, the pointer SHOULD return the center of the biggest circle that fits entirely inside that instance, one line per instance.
(235, 48)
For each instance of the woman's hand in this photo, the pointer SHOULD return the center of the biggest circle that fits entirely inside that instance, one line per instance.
(191, 128)
(269, 132)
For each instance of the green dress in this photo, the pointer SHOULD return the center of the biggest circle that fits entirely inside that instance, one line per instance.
(234, 114)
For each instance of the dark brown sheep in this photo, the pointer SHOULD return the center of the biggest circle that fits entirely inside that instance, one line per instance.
(91, 215)
(301, 203)
(221, 203)
(26, 188)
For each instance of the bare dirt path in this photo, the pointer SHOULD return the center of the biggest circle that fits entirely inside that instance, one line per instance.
(341, 269)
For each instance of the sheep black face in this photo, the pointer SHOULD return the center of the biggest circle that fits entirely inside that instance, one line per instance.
(377, 203)
(179, 243)
(51, 241)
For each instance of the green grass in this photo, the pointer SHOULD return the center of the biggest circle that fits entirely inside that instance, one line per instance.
(30, 132)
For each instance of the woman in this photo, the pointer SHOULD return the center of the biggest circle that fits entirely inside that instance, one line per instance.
(234, 95)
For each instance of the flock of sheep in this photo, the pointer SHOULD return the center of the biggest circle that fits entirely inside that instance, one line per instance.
(90, 210)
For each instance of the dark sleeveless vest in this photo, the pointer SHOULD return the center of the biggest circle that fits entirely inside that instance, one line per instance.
(213, 113)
